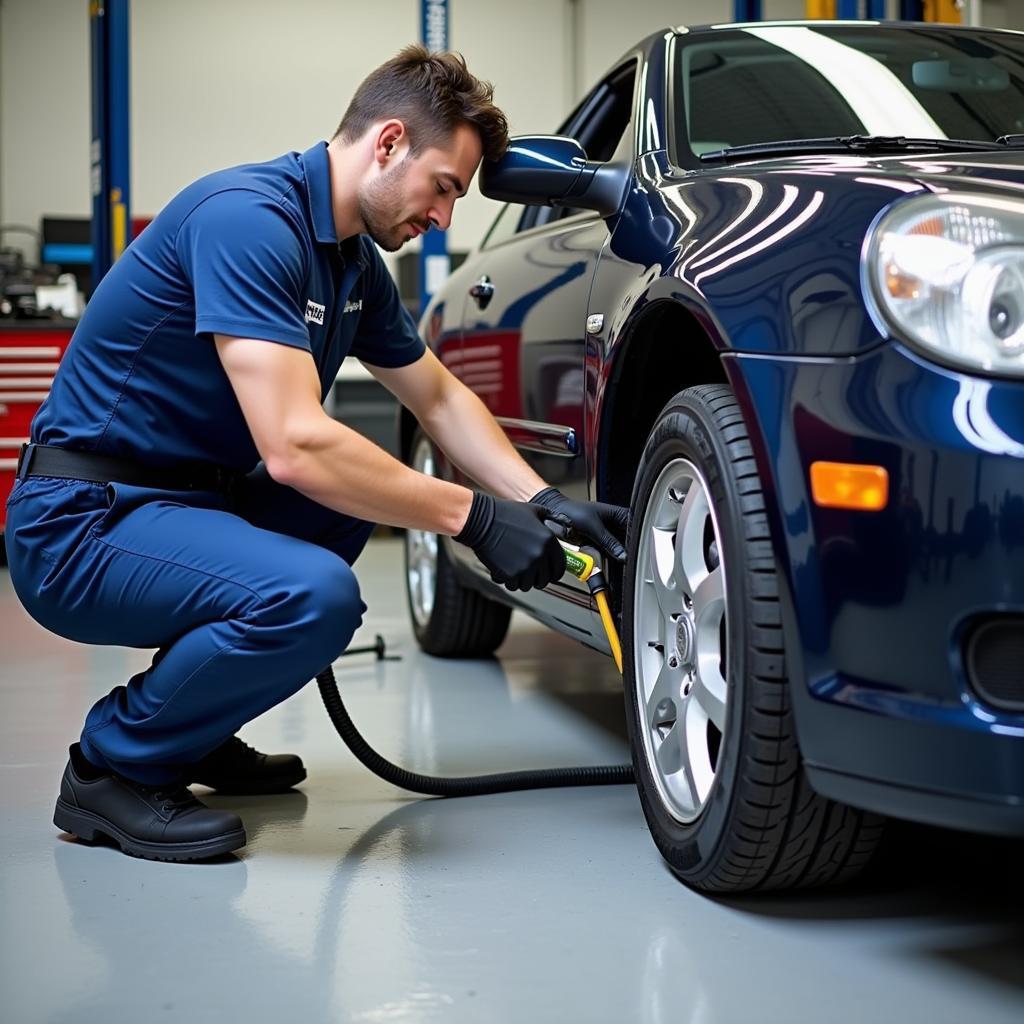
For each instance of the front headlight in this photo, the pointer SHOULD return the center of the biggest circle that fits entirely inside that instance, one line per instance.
(947, 273)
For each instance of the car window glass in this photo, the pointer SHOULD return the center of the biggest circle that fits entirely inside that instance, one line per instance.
(599, 134)
(504, 226)
(775, 83)
(600, 125)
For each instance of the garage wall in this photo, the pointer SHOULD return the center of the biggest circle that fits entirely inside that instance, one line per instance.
(608, 27)
(44, 111)
(1003, 14)
(219, 82)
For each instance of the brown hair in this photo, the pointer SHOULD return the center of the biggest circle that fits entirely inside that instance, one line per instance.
(431, 93)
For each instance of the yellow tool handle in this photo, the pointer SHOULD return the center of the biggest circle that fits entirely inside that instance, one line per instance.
(609, 628)
(578, 562)
(582, 566)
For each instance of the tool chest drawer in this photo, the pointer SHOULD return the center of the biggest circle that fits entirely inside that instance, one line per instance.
(29, 354)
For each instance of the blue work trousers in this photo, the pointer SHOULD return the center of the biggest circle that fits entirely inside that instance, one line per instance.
(245, 598)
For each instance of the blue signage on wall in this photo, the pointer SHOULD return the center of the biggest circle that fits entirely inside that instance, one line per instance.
(435, 24)
(434, 262)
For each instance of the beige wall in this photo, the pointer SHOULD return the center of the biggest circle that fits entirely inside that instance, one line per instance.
(219, 82)
(44, 110)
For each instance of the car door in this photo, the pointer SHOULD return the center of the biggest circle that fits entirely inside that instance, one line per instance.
(524, 331)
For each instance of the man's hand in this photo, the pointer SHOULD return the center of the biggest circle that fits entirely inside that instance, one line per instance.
(601, 524)
(510, 538)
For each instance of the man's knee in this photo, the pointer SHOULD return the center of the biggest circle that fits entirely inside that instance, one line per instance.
(332, 607)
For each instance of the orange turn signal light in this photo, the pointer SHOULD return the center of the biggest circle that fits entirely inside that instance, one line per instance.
(849, 485)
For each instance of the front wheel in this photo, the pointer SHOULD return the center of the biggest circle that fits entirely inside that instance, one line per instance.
(448, 619)
(714, 747)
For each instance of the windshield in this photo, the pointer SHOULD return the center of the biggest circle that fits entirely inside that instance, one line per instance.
(781, 82)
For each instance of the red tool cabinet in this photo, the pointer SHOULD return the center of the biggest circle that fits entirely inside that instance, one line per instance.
(29, 354)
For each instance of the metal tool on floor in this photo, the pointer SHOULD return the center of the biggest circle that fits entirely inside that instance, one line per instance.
(378, 647)
(582, 563)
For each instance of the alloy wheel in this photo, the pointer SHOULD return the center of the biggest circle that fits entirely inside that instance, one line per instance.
(681, 633)
(421, 549)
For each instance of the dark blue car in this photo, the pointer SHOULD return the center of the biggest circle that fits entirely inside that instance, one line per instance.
(766, 286)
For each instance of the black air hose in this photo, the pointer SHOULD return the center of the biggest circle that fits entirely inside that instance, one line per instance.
(470, 785)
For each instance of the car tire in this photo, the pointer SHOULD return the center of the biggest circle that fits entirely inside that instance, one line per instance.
(715, 752)
(449, 619)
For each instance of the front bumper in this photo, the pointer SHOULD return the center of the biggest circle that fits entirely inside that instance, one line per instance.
(879, 607)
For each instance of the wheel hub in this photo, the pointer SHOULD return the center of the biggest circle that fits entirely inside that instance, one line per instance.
(685, 640)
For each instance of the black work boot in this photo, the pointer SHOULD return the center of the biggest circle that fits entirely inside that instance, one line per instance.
(234, 767)
(163, 822)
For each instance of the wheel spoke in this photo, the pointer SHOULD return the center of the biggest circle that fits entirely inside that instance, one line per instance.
(660, 575)
(670, 755)
(709, 601)
(673, 759)
(698, 756)
(666, 688)
(426, 587)
(710, 693)
(691, 786)
(690, 566)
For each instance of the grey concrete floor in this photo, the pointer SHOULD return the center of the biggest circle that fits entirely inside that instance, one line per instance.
(354, 901)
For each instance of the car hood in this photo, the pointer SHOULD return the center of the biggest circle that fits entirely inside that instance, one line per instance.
(1001, 168)
(767, 252)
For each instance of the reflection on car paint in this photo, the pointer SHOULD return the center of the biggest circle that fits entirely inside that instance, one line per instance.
(759, 263)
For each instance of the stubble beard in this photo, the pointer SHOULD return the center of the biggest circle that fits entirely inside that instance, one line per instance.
(379, 204)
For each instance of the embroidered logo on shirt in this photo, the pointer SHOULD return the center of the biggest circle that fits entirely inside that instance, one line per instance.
(314, 312)
(354, 307)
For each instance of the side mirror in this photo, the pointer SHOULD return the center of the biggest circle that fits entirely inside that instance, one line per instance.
(552, 170)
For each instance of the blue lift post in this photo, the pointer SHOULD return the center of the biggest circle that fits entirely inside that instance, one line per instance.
(746, 10)
(434, 261)
(110, 156)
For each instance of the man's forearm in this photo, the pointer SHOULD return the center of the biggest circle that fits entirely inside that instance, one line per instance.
(338, 467)
(466, 431)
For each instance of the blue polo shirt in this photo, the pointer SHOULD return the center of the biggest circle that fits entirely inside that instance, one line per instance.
(250, 252)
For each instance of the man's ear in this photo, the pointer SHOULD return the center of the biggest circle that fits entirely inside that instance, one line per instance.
(389, 141)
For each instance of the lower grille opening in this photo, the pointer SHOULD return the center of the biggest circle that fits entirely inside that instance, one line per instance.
(994, 659)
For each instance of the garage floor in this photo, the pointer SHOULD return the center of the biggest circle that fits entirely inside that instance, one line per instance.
(357, 902)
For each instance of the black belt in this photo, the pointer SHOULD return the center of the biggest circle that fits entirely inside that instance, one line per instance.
(46, 460)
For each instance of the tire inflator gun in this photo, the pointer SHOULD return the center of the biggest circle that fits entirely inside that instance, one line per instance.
(584, 567)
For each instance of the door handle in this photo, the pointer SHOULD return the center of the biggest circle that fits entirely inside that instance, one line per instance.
(483, 291)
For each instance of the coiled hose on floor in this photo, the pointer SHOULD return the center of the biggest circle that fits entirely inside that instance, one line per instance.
(582, 565)
(469, 785)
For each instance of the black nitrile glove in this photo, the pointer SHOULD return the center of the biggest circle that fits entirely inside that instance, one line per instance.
(601, 524)
(510, 538)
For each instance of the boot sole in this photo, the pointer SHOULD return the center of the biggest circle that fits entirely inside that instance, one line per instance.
(87, 826)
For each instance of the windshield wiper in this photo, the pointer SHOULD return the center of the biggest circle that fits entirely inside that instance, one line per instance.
(860, 144)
